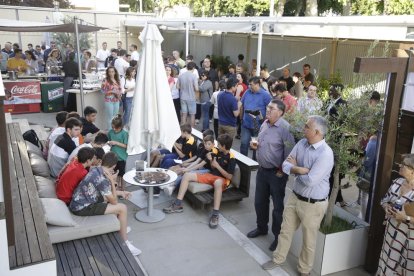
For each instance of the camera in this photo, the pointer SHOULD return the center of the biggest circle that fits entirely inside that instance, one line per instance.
(253, 112)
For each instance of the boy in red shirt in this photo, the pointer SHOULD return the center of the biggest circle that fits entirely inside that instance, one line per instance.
(72, 175)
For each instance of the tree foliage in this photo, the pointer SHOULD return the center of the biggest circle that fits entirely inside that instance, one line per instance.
(64, 4)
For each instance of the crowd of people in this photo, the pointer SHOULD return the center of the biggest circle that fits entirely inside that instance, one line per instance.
(240, 105)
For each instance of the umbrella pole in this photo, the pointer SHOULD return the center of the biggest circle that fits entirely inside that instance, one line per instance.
(151, 189)
(75, 21)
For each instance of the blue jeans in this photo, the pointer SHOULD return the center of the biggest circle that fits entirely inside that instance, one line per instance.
(269, 184)
(246, 135)
(127, 110)
(111, 110)
(205, 114)
(168, 160)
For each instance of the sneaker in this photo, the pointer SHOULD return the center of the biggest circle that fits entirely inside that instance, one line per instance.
(211, 121)
(174, 208)
(214, 220)
(128, 229)
(197, 121)
(135, 251)
(270, 265)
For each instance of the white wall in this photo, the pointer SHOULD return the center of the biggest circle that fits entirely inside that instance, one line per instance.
(97, 5)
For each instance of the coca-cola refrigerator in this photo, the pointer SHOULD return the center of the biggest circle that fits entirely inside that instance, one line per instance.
(22, 96)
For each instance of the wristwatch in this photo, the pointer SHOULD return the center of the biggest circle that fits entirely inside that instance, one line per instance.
(408, 219)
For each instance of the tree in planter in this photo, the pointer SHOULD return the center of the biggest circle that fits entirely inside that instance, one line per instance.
(354, 122)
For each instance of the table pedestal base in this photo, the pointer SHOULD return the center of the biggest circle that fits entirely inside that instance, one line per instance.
(156, 216)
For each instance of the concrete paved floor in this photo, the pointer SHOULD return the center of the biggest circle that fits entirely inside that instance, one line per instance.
(184, 244)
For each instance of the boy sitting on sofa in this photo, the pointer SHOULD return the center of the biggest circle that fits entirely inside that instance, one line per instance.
(184, 148)
(96, 195)
(222, 170)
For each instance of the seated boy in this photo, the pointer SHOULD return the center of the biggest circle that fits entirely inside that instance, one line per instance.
(100, 140)
(200, 165)
(88, 121)
(200, 149)
(222, 169)
(96, 194)
(72, 174)
(185, 148)
(60, 129)
(63, 146)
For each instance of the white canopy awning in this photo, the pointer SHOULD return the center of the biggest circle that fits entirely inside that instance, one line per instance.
(28, 26)
(390, 28)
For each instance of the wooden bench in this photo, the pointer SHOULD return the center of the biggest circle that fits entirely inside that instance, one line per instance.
(246, 165)
(31, 240)
(100, 255)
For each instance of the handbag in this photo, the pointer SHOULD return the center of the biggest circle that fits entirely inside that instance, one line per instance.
(363, 184)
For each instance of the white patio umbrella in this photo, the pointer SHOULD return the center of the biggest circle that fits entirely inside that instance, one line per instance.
(153, 121)
(152, 118)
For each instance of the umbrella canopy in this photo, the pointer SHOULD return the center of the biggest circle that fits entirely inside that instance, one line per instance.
(153, 111)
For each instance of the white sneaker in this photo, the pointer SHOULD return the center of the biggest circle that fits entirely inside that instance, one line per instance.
(168, 189)
(135, 251)
(128, 229)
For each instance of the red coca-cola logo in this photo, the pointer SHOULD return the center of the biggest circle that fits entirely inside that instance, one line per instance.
(25, 90)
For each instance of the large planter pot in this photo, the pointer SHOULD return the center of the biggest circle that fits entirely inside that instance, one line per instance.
(338, 251)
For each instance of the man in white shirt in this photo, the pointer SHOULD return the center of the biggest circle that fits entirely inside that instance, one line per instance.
(101, 55)
(121, 64)
(134, 52)
(188, 59)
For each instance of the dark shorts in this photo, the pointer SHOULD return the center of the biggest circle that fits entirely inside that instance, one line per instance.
(95, 209)
(120, 166)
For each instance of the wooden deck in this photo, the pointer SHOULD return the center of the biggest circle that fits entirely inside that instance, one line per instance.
(100, 255)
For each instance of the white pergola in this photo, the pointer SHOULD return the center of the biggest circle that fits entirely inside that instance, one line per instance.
(386, 28)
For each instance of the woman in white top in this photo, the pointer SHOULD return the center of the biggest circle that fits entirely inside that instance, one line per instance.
(128, 87)
(172, 82)
(31, 61)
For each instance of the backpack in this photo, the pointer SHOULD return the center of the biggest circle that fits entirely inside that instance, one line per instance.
(32, 137)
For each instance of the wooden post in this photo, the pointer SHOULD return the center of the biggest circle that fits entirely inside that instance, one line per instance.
(396, 68)
(334, 52)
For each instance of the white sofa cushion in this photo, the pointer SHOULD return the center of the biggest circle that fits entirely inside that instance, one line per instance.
(195, 187)
(31, 148)
(56, 212)
(39, 165)
(86, 227)
(45, 187)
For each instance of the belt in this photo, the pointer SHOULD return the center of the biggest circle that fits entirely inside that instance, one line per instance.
(270, 169)
(306, 199)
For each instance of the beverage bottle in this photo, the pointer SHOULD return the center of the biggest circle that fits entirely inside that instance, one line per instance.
(398, 205)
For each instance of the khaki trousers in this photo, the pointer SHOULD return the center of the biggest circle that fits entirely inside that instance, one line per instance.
(299, 212)
(227, 130)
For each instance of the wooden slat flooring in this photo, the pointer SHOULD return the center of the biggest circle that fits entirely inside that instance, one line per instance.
(100, 255)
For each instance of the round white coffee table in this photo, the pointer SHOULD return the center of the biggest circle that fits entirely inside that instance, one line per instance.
(150, 215)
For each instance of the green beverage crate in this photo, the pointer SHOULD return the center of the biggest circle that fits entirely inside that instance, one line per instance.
(52, 96)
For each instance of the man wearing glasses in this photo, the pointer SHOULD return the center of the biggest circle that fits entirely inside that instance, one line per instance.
(273, 146)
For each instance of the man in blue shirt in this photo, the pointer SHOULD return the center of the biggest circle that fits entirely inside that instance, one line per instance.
(254, 99)
(228, 109)
(311, 161)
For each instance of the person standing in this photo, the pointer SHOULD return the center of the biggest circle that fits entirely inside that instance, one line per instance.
(121, 52)
(396, 253)
(228, 109)
(178, 60)
(311, 161)
(188, 85)
(287, 78)
(311, 103)
(297, 89)
(212, 74)
(255, 100)
(308, 77)
(88, 64)
(101, 55)
(111, 87)
(71, 70)
(273, 146)
(128, 84)
(206, 90)
(134, 52)
(175, 94)
(110, 60)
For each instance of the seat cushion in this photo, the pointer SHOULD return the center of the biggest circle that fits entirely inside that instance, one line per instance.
(31, 148)
(195, 187)
(45, 187)
(39, 165)
(235, 180)
(86, 227)
(56, 212)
